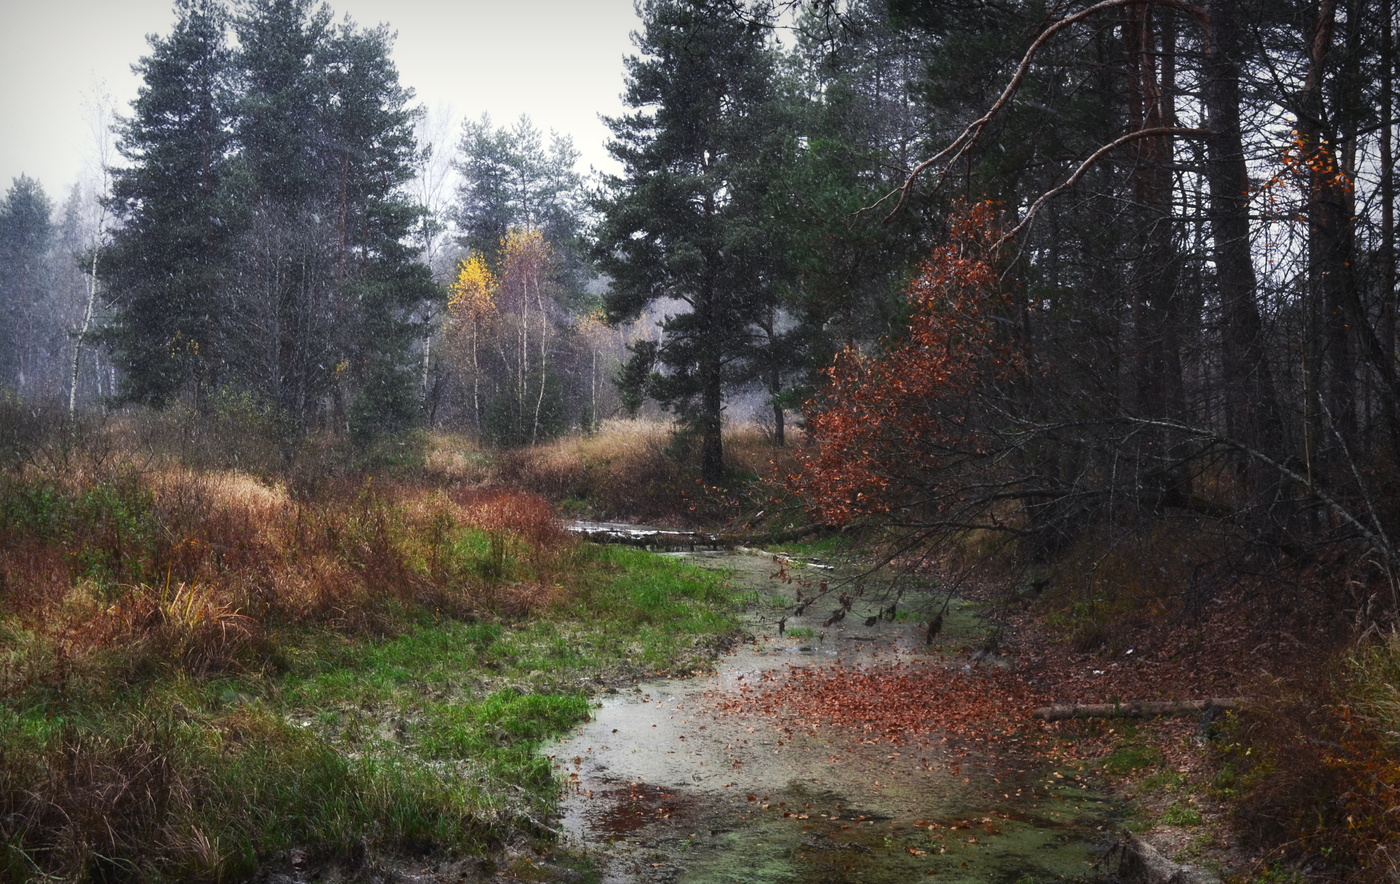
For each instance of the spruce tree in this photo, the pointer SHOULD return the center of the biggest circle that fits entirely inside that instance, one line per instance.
(328, 280)
(264, 224)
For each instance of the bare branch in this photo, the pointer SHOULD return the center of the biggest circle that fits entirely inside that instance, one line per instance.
(969, 136)
(1374, 536)
(1072, 180)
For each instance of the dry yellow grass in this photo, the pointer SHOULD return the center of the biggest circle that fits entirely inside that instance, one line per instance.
(453, 458)
(626, 470)
(172, 566)
(640, 470)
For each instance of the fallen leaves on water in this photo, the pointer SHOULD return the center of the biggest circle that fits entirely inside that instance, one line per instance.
(897, 704)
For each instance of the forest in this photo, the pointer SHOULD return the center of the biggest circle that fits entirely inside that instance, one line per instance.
(1088, 311)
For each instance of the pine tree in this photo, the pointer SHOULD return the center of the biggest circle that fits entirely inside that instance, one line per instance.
(265, 229)
(513, 180)
(170, 255)
(685, 220)
(380, 283)
(328, 281)
(26, 229)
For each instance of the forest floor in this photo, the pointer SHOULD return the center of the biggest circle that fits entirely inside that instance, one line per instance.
(1172, 771)
(778, 756)
(349, 678)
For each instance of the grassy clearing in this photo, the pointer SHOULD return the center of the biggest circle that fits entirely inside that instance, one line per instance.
(203, 670)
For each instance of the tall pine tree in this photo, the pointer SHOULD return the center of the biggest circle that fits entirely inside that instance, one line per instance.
(169, 258)
(325, 133)
(265, 220)
(25, 233)
(685, 219)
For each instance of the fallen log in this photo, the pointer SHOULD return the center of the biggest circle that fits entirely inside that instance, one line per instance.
(647, 538)
(1140, 709)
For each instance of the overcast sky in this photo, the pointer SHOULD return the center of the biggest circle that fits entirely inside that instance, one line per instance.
(560, 61)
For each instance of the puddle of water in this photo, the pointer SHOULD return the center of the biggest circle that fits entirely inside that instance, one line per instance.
(666, 784)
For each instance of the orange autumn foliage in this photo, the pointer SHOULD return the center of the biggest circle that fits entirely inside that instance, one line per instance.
(889, 421)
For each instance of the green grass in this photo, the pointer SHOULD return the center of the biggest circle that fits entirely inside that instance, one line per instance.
(830, 547)
(1130, 757)
(651, 608)
(422, 741)
(173, 784)
(1181, 814)
(201, 671)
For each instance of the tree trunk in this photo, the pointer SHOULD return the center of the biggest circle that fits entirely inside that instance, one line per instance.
(1252, 409)
(1387, 244)
(1332, 356)
(544, 360)
(711, 420)
(1134, 861)
(88, 309)
(709, 366)
(1154, 274)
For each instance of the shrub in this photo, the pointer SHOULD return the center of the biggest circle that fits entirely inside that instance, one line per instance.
(1316, 763)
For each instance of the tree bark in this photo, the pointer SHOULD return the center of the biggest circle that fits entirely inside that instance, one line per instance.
(711, 419)
(1387, 245)
(1155, 305)
(1332, 353)
(1252, 412)
(81, 335)
(1134, 861)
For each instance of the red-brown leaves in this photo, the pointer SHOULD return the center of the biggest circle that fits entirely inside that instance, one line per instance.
(888, 421)
(899, 703)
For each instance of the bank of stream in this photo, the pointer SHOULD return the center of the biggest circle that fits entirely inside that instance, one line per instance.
(676, 780)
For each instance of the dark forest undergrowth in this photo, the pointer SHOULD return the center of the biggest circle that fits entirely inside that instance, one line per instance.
(1300, 782)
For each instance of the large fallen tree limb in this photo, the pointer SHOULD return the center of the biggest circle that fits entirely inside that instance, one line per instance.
(1144, 709)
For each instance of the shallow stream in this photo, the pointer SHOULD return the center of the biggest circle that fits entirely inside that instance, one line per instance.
(668, 783)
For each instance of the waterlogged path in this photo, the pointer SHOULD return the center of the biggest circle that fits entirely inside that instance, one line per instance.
(695, 781)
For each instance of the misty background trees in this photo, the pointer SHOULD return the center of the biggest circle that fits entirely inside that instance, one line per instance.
(262, 244)
(1194, 249)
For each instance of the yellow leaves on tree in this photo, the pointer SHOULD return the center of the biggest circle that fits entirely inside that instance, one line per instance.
(472, 295)
(472, 312)
(890, 421)
(524, 263)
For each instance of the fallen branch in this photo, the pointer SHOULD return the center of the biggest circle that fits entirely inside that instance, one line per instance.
(1143, 709)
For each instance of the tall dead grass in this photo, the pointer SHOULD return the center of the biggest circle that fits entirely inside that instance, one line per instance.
(183, 569)
(626, 470)
(135, 583)
(645, 471)
(1315, 764)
